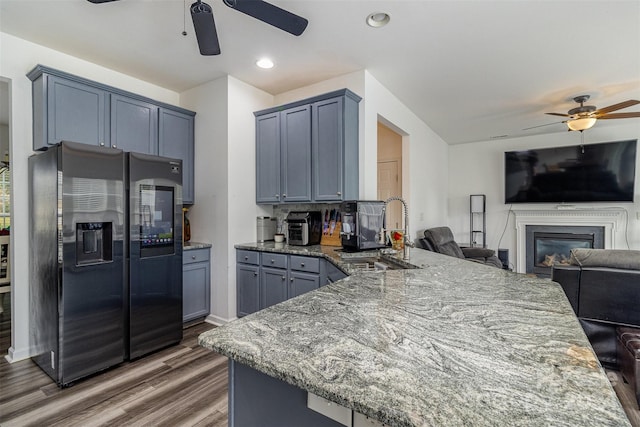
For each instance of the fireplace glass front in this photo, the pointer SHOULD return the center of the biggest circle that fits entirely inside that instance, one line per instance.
(550, 245)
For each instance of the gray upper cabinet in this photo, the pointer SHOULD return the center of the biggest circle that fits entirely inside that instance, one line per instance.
(307, 151)
(283, 150)
(70, 108)
(68, 111)
(268, 153)
(296, 154)
(335, 149)
(134, 125)
(176, 141)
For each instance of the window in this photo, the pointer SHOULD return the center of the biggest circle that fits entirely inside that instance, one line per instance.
(5, 198)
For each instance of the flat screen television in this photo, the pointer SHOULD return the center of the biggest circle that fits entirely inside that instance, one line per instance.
(603, 172)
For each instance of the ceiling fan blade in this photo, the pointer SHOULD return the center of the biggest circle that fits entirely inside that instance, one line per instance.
(558, 114)
(615, 107)
(205, 27)
(270, 14)
(100, 1)
(547, 124)
(619, 116)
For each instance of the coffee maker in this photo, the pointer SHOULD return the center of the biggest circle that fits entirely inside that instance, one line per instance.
(362, 225)
(304, 228)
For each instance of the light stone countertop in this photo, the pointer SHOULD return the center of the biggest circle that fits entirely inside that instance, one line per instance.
(189, 246)
(452, 343)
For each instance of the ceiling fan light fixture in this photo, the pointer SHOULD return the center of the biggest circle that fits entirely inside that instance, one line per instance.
(582, 123)
(378, 19)
(265, 63)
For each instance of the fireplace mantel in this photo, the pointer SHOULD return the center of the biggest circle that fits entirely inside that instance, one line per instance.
(609, 218)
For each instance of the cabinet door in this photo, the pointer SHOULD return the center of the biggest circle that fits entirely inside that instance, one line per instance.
(176, 141)
(300, 283)
(328, 150)
(273, 286)
(248, 289)
(75, 112)
(195, 291)
(296, 154)
(134, 125)
(268, 158)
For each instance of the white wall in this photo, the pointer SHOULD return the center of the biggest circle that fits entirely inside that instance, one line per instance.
(425, 158)
(424, 152)
(17, 58)
(225, 210)
(478, 168)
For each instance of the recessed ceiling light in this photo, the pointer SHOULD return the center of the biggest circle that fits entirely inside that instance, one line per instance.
(378, 19)
(264, 63)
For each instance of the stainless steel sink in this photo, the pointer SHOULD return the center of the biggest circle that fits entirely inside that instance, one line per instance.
(376, 263)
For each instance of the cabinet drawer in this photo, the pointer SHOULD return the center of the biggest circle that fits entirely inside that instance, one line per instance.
(248, 257)
(305, 263)
(195, 255)
(274, 260)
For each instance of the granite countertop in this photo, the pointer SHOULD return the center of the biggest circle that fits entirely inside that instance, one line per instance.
(188, 246)
(453, 343)
(336, 255)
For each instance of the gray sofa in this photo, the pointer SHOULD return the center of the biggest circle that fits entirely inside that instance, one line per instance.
(440, 239)
(603, 287)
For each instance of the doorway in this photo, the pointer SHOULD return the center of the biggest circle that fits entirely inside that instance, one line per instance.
(390, 173)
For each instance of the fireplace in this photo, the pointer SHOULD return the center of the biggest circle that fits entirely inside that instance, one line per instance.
(547, 245)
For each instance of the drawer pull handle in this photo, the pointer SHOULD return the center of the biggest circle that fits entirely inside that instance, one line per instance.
(339, 193)
(246, 258)
(193, 257)
(272, 261)
(255, 273)
(283, 278)
(302, 264)
(291, 279)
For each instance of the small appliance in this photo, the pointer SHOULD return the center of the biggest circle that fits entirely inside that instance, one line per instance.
(265, 228)
(362, 224)
(304, 228)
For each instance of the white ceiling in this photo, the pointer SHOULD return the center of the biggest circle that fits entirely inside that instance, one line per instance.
(472, 70)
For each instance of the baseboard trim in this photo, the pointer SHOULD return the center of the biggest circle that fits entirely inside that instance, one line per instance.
(218, 321)
(14, 355)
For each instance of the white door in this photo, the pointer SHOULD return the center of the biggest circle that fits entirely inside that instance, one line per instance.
(389, 184)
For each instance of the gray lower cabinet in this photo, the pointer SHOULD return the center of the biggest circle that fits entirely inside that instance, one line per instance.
(267, 278)
(247, 282)
(70, 108)
(332, 274)
(196, 284)
(300, 283)
(273, 286)
(305, 274)
(307, 151)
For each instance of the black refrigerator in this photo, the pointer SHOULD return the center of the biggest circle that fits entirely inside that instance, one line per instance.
(106, 255)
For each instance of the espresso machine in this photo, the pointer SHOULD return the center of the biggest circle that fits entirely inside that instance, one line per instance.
(362, 225)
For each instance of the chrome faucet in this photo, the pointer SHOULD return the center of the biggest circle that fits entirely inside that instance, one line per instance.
(406, 241)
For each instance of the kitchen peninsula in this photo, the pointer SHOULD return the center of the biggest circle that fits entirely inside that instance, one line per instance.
(450, 343)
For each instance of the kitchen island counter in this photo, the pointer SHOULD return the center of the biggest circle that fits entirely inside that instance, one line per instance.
(451, 343)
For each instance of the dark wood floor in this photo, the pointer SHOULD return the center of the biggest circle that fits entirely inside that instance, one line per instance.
(184, 385)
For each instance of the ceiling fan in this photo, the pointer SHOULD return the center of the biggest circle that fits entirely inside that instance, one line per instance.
(205, 27)
(585, 116)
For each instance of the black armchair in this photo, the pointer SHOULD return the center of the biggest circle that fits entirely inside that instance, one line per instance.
(440, 239)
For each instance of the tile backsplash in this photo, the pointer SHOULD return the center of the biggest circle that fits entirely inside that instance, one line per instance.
(280, 212)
